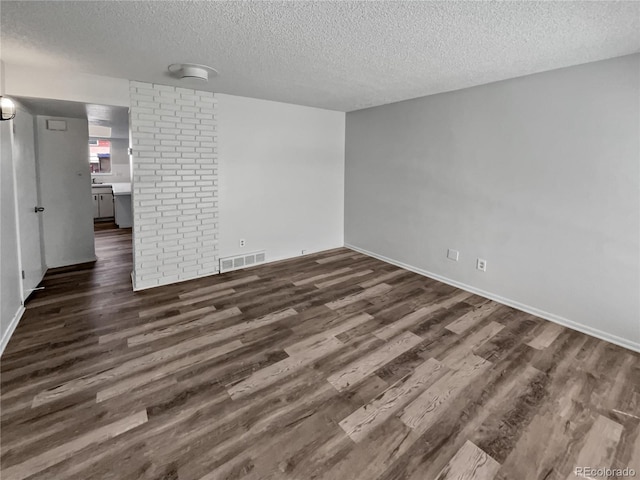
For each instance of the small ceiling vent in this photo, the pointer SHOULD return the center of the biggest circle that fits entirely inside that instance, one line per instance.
(192, 71)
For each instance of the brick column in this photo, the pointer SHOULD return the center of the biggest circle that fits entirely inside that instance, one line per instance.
(174, 184)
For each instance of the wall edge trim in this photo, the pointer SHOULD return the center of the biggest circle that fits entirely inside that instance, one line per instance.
(565, 322)
(281, 258)
(12, 326)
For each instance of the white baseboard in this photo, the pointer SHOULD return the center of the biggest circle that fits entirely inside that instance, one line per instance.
(12, 326)
(77, 261)
(565, 322)
(281, 258)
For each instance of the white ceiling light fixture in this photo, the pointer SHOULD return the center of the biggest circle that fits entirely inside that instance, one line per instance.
(7, 109)
(186, 71)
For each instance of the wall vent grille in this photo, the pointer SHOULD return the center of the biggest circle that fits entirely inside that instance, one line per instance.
(242, 261)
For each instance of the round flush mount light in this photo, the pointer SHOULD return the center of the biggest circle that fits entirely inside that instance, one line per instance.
(7, 109)
(192, 71)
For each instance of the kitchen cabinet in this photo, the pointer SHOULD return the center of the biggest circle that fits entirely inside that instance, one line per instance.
(124, 217)
(106, 205)
(102, 203)
(122, 204)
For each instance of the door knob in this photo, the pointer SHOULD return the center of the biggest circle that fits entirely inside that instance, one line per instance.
(38, 209)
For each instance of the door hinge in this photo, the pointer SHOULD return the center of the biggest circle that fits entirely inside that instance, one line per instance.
(23, 277)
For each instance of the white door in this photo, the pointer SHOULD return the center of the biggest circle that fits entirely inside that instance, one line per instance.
(29, 223)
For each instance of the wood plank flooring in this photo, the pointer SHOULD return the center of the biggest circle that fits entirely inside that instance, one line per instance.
(330, 366)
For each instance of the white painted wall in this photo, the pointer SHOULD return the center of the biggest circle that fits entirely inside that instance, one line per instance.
(538, 175)
(281, 177)
(120, 167)
(281, 165)
(64, 85)
(10, 303)
(65, 186)
(174, 190)
(33, 82)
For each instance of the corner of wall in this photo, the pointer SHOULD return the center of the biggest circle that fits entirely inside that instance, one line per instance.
(565, 322)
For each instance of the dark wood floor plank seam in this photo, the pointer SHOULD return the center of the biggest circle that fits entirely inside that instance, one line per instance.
(330, 365)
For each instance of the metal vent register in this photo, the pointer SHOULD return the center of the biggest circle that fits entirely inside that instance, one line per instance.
(241, 261)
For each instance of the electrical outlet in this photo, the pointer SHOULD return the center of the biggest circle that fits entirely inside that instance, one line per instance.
(243, 242)
(481, 265)
(453, 255)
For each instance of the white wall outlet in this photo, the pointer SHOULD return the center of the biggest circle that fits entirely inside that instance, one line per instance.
(242, 242)
(481, 265)
(453, 255)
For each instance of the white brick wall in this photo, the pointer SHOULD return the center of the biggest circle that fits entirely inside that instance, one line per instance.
(175, 172)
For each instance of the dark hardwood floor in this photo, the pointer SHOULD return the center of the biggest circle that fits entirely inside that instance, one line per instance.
(333, 365)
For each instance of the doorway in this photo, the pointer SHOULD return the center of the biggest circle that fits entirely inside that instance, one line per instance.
(55, 181)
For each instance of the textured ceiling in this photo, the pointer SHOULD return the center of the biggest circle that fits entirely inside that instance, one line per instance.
(336, 55)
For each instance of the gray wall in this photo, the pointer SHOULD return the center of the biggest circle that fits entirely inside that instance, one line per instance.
(538, 175)
(65, 188)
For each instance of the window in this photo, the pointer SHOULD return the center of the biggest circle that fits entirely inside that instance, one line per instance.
(100, 155)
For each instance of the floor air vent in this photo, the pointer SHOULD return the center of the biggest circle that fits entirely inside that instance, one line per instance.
(241, 261)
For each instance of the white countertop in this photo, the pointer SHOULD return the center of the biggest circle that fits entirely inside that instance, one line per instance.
(121, 188)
